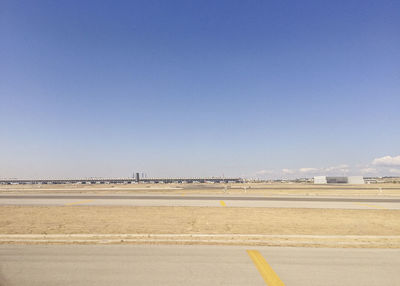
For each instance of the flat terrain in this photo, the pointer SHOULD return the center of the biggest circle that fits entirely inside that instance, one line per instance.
(188, 189)
(77, 219)
(229, 200)
(193, 265)
(257, 214)
(199, 234)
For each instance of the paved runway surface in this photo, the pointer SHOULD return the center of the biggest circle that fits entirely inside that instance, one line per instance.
(193, 265)
(377, 202)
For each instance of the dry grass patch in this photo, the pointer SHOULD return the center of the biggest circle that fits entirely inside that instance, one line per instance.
(172, 220)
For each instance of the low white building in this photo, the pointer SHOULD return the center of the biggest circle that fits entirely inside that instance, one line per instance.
(355, 180)
(320, 180)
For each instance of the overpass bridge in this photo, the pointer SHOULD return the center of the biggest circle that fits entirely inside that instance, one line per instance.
(120, 181)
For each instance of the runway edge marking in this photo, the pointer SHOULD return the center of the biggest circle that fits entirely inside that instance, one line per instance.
(78, 202)
(372, 206)
(268, 274)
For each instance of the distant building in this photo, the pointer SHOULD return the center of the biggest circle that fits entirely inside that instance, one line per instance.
(320, 180)
(356, 180)
(352, 180)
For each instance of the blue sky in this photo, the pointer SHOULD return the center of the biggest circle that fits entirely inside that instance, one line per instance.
(199, 88)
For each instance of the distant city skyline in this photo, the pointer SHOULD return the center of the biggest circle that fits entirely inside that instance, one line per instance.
(266, 89)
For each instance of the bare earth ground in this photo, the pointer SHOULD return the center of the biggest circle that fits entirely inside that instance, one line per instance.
(297, 227)
(249, 189)
(209, 225)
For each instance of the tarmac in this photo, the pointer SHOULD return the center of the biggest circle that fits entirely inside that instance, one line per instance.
(349, 202)
(194, 265)
(153, 263)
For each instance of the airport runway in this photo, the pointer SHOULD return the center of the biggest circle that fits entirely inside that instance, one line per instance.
(193, 265)
(377, 202)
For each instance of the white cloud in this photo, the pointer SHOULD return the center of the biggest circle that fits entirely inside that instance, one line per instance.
(368, 170)
(380, 167)
(394, 171)
(387, 161)
(311, 171)
(340, 168)
(308, 170)
(288, 171)
(265, 172)
(335, 170)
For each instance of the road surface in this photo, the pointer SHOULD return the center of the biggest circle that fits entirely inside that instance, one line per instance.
(376, 202)
(193, 265)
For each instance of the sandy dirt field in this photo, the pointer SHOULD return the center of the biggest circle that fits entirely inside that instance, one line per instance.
(266, 226)
(249, 189)
(209, 220)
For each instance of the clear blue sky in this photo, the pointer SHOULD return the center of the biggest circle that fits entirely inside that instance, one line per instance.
(198, 88)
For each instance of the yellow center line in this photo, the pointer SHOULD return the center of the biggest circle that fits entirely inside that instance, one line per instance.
(371, 206)
(222, 203)
(78, 202)
(267, 273)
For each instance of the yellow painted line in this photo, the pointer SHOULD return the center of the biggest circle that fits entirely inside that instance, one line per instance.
(78, 202)
(222, 203)
(371, 206)
(267, 273)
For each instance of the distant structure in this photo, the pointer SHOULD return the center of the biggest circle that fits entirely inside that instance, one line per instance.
(352, 180)
(135, 180)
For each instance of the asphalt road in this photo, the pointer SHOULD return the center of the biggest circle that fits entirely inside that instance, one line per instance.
(377, 202)
(193, 265)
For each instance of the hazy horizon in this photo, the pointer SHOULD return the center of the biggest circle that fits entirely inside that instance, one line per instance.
(185, 89)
